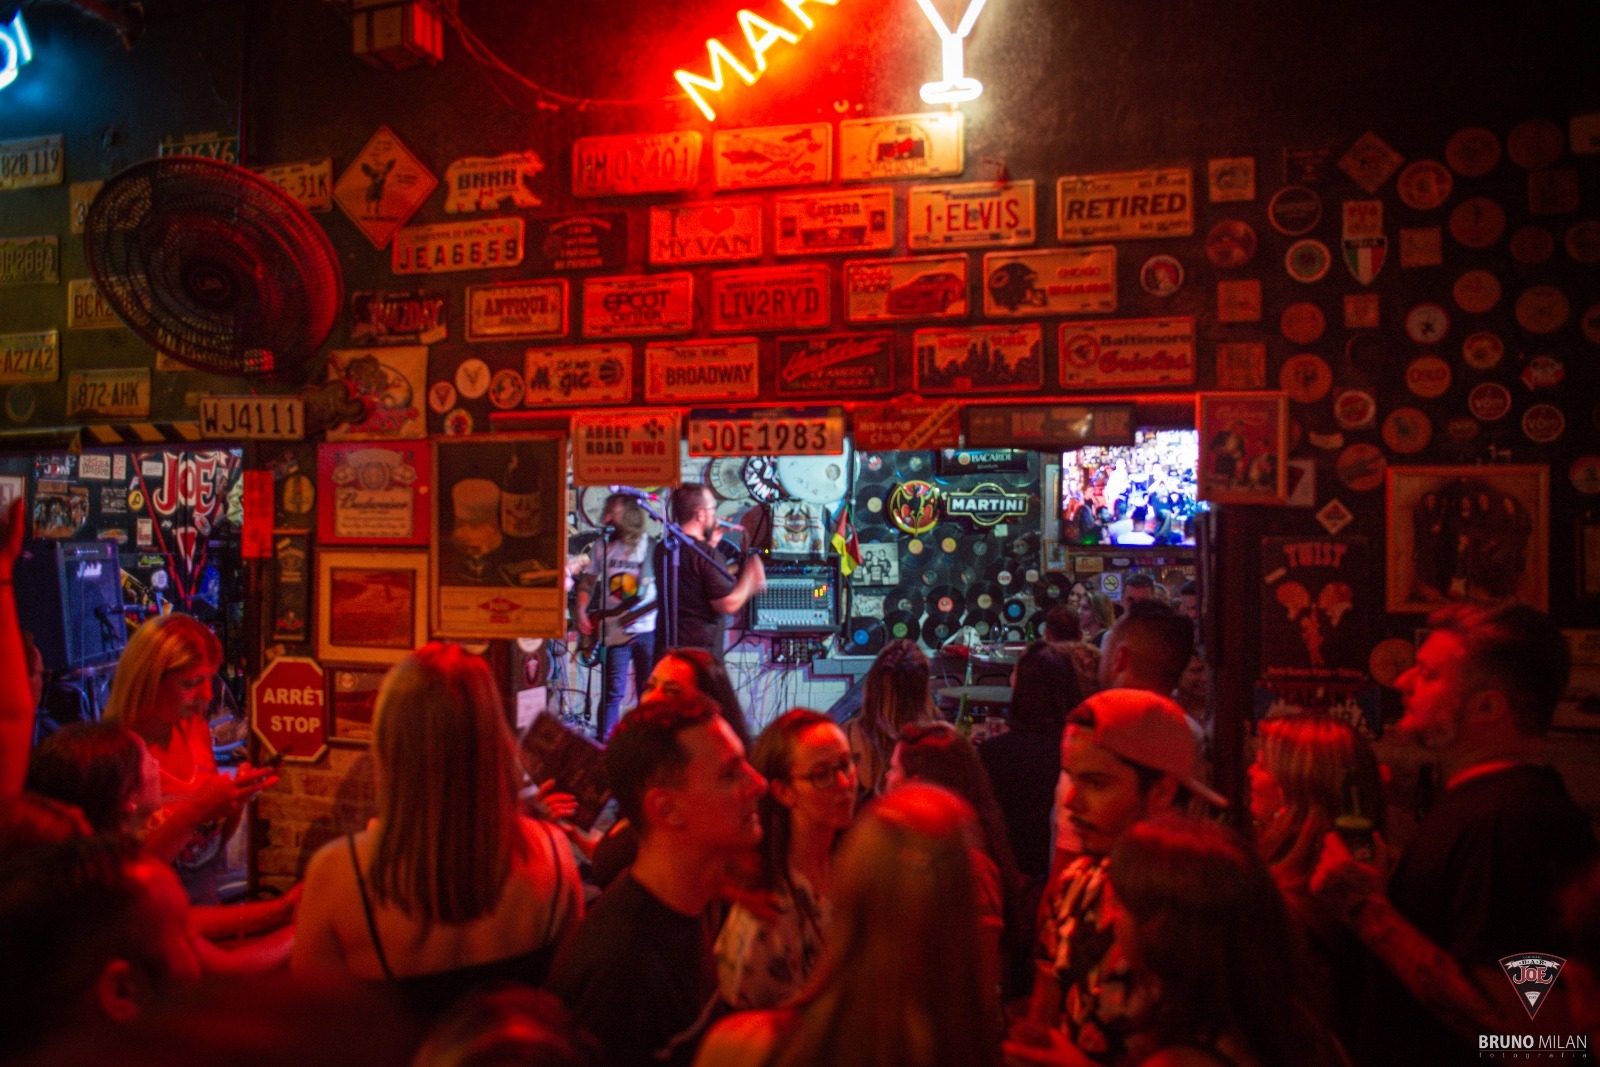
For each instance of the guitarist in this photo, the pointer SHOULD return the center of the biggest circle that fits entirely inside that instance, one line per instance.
(707, 594)
(624, 618)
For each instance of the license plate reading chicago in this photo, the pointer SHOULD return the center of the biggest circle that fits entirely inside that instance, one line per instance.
(767, 435)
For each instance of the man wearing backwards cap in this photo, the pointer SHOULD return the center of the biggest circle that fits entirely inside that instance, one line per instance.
(1131, 757)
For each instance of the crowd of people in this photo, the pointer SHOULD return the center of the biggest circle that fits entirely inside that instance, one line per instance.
(874, 892)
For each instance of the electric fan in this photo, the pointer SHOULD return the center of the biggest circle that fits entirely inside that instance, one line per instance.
(214, 265)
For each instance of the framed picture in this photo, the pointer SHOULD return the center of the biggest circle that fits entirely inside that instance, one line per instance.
(1244, 447)
(11, 487)
(499, 536)
(1468, 533)
(372, 607)
(373, 494)
(352, 697)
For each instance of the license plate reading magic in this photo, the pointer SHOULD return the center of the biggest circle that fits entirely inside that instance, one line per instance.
(265, 418)
(482, 245)
(817, 434)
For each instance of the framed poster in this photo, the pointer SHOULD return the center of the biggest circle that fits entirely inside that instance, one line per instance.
(1468, 533)
(373, 494)
(352, 698)
(1315, 615)
(1244, 447)
(497, 550)
(371, 605)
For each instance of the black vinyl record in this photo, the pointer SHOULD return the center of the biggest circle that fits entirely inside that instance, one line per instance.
(1025, 547)
(965, 577)
(985, 596)
(1036, 625)
(1004, 575)
(862, 636)
(898, 625)
(914, 466)
(945, 600)
(980, 549)
(1015, 610)
(876, 466)
(946, 538)
(1014, 635)
(937, 629)
(872, 505)
(1051, 590)
(986, 623)
(903, 599)
(933, 576)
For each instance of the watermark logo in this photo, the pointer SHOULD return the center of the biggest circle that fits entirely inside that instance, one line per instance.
(1533, 976)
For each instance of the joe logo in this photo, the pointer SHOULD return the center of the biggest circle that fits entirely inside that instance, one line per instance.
(1532, 976)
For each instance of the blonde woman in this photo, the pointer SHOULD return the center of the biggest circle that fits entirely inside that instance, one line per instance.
(1096, 616)
(162, 692)
(449, 888)
(897, 695)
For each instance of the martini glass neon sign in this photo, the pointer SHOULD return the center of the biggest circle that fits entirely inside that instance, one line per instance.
(15, 49)
(955, 87)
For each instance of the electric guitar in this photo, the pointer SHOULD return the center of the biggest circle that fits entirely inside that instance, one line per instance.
(588, 653)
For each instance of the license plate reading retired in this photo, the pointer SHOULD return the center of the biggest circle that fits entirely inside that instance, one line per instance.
(261, 418)
(35, 161)
(816, 433)
(451, 246)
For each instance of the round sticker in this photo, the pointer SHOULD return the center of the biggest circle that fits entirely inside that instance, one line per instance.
(1477, 223)
(506, 389)
(1542, 309)
(1361, 467)
(1295, 210)
(1427, 324)
(1535, 144)
(1424, 185)
(1531, 245)
(1355, 409)
(1489, 402)
(1407, 431)
(1302, 322)
(472, 378)
(1476, 292)
(1428, 376)
(1543, 423)
(299, 495)
(1585, 475)
(1482, 350)
(1389, 659)
(1590, 324)
(441, 397)
(1306, 378)
(1583, 241)
(458, 423)
(1161, 275)
(1231, 244)
(1543, 372)
(20, 404)
(136, 498)
(1473, 152)
(1308, 261)
(1461, 429)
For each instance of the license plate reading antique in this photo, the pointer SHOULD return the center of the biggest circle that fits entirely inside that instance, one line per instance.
(810, 433)
(258, 418)
(31, 162)
(453, 246)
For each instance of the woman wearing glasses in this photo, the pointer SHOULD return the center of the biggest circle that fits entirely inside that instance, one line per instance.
(771, 942)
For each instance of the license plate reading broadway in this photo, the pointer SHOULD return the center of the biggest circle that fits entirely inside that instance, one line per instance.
(807, 433)
(453, 246)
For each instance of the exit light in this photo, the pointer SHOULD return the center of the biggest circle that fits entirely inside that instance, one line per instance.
(15, 49)
(955, 87)
(760, 36)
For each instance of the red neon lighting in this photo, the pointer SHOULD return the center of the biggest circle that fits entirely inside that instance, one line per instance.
(760, 35)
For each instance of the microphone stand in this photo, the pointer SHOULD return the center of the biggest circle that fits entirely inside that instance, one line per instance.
(602, 591)
(673, 539)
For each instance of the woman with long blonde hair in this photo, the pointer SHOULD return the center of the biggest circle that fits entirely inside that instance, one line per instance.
(162, 691)
(897, 695)
(450, 887)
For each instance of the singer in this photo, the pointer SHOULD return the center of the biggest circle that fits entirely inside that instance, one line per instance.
(618, 624)
(706, 593)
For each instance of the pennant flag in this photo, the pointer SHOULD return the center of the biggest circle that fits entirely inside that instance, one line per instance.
(846, 543)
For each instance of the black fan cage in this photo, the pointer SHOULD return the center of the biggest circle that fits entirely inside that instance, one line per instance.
(214, 265)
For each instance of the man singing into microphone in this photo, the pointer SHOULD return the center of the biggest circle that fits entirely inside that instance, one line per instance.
(706, 593)
(623, 615)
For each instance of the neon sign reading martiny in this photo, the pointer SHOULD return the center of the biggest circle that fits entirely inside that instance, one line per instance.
(760, 35)
(955, 87)
(15, 49)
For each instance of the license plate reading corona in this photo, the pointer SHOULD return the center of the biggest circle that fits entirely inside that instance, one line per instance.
(757, 434)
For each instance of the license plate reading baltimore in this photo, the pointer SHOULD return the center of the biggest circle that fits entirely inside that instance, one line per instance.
(805, 434)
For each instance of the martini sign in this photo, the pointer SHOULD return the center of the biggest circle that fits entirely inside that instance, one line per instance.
(987, 505)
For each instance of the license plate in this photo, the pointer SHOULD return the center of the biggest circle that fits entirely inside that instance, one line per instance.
(30, 357)
(108, 394)
(858, 221)
(679, 371)
(638, 305)
(310, 182)
(705, 232)
(923, 287)
(629, 165)
(812, 433)
(29, 261)
(87, 307)
(517, 310)
(222, 147)
(1135, 204)
(970, 215)
(901, 146)
(1059, 281)
(771, 298)
(31, 162)
(79, 196)
(259, 418)
(454, 246)
(773, 155)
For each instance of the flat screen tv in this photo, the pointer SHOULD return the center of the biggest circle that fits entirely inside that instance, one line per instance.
(1138, 494)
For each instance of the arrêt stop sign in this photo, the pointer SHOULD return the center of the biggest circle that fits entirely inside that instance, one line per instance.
(289, 708)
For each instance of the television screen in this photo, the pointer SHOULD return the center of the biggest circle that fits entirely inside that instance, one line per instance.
(1139, 494)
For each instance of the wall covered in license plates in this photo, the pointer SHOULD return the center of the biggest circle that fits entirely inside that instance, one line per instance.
(1327, 203)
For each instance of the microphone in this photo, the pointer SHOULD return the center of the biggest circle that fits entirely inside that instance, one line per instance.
(726, 525)
(637, 494)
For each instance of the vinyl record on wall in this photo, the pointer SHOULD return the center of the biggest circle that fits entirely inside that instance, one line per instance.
(985, 596)
(725, 478)
(900, 625)
(1015, 610)
(903, 599)
(980, 549)
(1052, 590)
(875, 466)
(986, 623)
(937, 630)
(946, 537)
(871, 502)
(1036, 625)
(863, 637)
(1025, 547)
(965, 577)
(945, 600)
(1014, 635)
(1004, 576)
(914, 466)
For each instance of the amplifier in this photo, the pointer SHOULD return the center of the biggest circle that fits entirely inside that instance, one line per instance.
(800, 597)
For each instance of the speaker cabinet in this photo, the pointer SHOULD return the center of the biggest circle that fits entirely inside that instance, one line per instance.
(69, 594)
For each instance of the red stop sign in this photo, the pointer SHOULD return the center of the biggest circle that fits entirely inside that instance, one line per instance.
(290, 708)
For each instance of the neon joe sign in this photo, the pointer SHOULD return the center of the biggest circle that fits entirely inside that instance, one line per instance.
(761, 35)
(15, 49)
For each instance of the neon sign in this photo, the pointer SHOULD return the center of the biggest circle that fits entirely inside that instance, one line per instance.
(955, 87)
(15, 49)
(760, 35)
